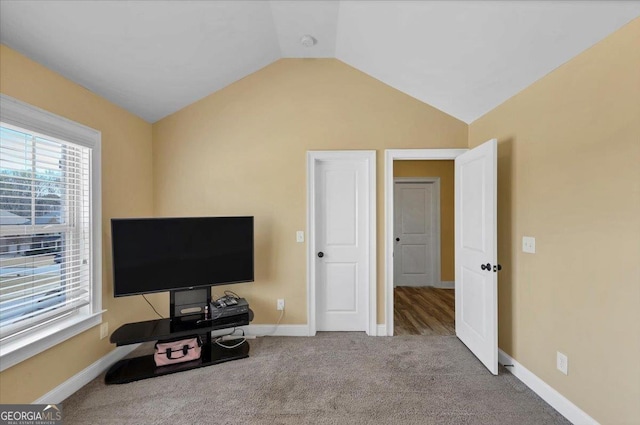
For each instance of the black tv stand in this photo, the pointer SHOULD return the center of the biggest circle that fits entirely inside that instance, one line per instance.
(134, 369)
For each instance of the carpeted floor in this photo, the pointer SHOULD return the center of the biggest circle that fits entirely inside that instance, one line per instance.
(333, 378)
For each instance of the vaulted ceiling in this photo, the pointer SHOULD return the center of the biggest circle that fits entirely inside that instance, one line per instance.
(155, 57)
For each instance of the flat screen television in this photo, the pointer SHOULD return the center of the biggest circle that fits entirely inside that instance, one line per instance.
(172, 254)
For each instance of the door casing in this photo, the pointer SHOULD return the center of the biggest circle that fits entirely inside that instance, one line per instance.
(391, 155)
(312, 158)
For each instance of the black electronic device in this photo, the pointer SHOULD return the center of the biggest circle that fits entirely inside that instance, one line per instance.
(228, 306)
(163, 254)
(185, 256)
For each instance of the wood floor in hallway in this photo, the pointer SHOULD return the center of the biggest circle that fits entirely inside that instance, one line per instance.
(423, 311)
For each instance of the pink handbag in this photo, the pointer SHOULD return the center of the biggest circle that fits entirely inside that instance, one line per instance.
(172, 352)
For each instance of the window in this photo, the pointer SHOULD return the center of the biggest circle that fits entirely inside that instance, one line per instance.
(50, 269)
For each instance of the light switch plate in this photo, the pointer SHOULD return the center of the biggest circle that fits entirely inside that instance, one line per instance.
(529, 244)
(299, 236)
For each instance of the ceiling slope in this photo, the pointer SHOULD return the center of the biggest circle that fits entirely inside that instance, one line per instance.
(150, 57)
(467, 57)
(154, 58)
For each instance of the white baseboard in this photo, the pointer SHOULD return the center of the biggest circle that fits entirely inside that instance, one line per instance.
(82, 378)
(445, 284)
(382, 330)
(291, 330)
(559, 402)
(276, 330)
(413, 285)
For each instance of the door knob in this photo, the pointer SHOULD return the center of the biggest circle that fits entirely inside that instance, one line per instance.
(397, 239)
(486, 267)
(497, 268)
(321, 254)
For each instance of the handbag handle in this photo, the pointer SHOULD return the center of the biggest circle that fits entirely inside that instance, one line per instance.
(185, 351)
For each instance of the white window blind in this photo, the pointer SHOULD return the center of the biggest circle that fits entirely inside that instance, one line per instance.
(45, 229)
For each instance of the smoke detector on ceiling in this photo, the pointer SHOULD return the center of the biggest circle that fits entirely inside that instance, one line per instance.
(308, 41)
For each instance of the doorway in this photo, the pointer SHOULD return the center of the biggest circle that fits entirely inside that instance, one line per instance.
(423, 281)
(475, 248)
(412, 157)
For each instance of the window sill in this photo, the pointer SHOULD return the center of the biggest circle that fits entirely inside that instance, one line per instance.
(13, 352)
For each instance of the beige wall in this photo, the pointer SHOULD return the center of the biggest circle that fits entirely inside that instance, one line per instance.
(444, 170)
(569, 175)
(569, 149)
(127, 191)
(242, 150)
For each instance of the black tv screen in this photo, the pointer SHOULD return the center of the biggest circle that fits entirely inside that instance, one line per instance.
(162, 254)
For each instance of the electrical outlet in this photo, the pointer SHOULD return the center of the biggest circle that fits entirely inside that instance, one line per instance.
(562, 363)
(529, 244)
(299, 236)
(104, 330)
(280, 304)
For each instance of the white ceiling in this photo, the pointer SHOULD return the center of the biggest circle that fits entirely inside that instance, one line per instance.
(156, 57)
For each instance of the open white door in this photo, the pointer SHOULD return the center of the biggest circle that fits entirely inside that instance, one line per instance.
(476, 252)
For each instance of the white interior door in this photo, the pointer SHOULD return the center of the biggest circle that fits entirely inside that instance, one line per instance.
(342, 195)
(476, 252)
(416, 209)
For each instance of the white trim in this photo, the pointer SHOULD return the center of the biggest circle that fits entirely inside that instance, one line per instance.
(13, 352)
(21, 114)
(556, 400)
(14, 112)
(446, 284)
(389, 156)
(82, 378)
(311, 241)
(312, 157)
(96, 223)
(293, 330)
(373, 244)
(435, 244)
(276, 330)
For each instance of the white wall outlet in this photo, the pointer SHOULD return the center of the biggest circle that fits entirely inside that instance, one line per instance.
(104, 330)
(529, 244)
(299, 236)
(280, 304)
(562, 363)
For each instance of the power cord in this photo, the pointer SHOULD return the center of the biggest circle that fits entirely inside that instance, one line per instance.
(154, 309)
(275, 328)
(219, 339)
(232, 294)
(229, 298)
(242, 341)
(279, 319)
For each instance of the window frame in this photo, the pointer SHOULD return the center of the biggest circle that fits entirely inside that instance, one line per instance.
(70, 227)
(31, 342)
